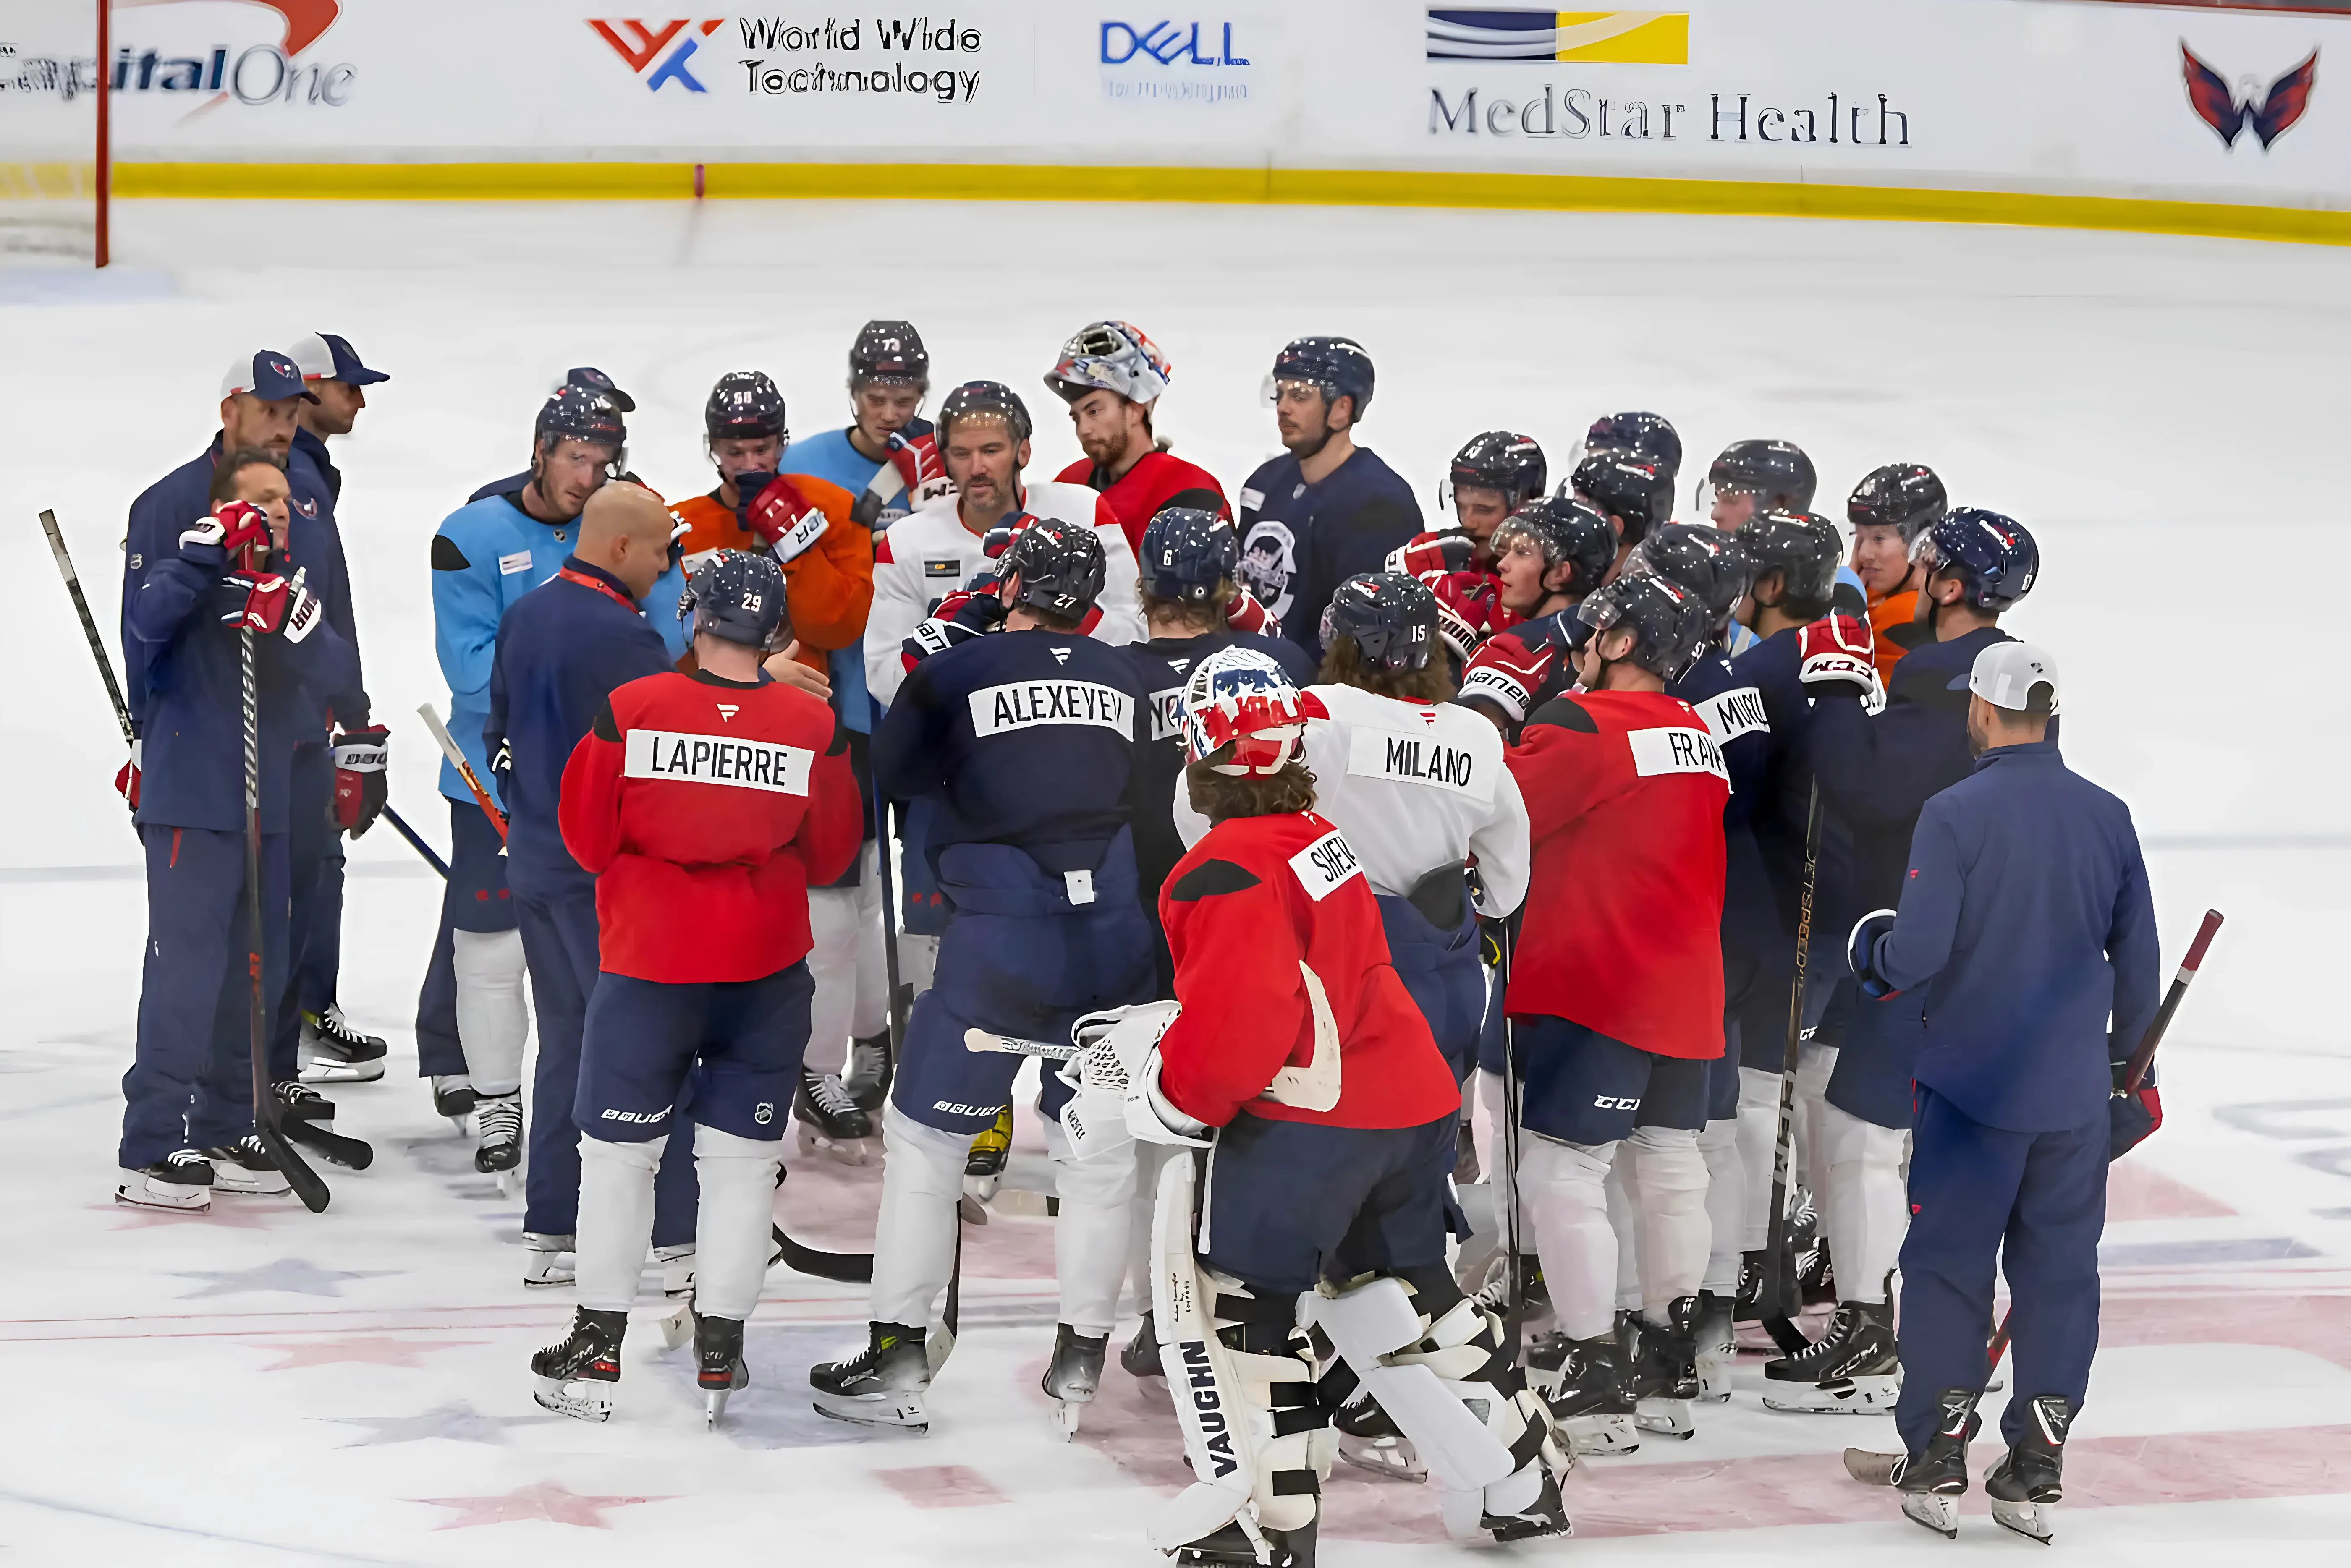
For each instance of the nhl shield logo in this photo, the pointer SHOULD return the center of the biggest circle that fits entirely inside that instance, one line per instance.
(763, 1114)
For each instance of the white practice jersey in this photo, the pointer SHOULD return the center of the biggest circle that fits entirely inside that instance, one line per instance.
(1413, 788)
(928, 553)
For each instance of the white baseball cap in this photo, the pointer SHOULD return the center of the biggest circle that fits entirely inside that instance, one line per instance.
(2005, 673)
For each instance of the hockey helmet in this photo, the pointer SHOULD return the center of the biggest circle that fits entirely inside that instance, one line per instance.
(1241, 698)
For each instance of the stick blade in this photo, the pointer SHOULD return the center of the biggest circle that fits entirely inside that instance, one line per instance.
(308, 1185)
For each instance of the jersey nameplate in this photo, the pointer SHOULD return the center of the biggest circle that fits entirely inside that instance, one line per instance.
(1676, 750)
(1731, 714)
(716, 759)
(1324, 863)
(1025, 704)
(1168, 713)
(517, 562)
(1418, 759)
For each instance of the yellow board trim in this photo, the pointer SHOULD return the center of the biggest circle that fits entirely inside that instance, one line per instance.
(1305, 187)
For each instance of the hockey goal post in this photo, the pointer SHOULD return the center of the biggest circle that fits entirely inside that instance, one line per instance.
(55, 167)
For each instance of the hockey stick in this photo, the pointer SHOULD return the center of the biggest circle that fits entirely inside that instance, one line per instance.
(305, 1181)
(89, 623)
(1877, 1470)
(881, 858)
(416, 842)
(449, 749)
(1514, 1312)
(1013, 1045)
(1776, 1258)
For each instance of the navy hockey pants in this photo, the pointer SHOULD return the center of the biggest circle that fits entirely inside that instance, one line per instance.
(2037, 1202)
(190, 1081)
(474, 900)
(1444, 974)
(1287, 1204)
(639, 1057)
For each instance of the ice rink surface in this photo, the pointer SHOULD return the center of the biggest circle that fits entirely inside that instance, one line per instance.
(264, 1386)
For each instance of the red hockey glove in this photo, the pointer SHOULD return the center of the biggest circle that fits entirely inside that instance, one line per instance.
(917, 458)
(359, 784)
(783, 521)
(1508, 675)
(1837, 650)
(1446, 550)
(126, 781)
(1247, 614)
(1460, 613)
(236, 526)
(273, 604)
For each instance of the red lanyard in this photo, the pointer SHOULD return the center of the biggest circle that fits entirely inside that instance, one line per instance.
(602, 587)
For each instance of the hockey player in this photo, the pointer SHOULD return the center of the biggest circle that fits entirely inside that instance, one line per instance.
(1650, 437)
(485, 555)
(1556, 553)
(887, 456)
(330, 1049)
(1046, 927)
(1493, 474)
(1635, 494)
(1888, 510)
(1333, 1113)
(1327, 509)
(225, 574)
(703, 805)
(1877, 772)
(1617, 995)
(562, 650)
(1111, 375)
(2026, 928)
(1756, 476)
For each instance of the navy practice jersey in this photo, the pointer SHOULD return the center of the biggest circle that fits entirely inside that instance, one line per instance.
(1300, 541)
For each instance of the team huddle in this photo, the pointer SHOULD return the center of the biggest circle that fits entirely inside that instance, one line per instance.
(1285, 837)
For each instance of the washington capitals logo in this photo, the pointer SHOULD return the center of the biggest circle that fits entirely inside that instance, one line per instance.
(2270, 115)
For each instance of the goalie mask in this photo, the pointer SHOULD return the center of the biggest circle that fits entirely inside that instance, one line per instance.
(1240, 697)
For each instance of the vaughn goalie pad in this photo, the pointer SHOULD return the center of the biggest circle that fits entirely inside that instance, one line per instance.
(1200, 1379)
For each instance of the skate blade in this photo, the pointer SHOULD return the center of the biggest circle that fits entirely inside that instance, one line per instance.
(179, 1199)
(1666, 1417)
(1714, 1388)
(1846, 1397)
(324, 1072)
(1870, 1469)
(974, 1210)
(845, 1151)
(903, 1410)
(581, 1399)
(1939, 1514)
(1391, 1459)
(2029, 1520)
(677, 1328)
(509, 1183)
(464, 1126)
(255, 1184)
(1066, 1415)
(1599, 1437)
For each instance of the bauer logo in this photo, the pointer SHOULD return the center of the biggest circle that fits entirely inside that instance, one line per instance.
(1189, 62)
(641, 43)
(1589, 37)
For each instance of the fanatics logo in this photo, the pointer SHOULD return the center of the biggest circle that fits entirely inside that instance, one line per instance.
(727, 710)
(1061, 655)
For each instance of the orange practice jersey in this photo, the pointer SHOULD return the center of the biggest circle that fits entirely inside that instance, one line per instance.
(827, 588)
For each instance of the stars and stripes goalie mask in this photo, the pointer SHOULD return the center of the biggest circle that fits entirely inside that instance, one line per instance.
(1242, 699)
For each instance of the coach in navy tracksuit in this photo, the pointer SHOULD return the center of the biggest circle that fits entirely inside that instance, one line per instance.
(2026, 928)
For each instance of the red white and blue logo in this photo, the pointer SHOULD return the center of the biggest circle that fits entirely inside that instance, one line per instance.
(638, 43)
(2269, 113)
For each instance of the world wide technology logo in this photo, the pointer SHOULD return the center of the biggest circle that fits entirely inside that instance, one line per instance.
(639, 42)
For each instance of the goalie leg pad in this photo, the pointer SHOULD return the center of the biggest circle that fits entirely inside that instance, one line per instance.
(1091, 1238)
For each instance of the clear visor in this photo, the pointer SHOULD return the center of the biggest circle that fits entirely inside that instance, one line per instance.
(1599, 611)
(1290, 388)
(1922, 552)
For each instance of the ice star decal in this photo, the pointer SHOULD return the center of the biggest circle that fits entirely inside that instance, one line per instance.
(294, 1276)
(370, 1349)
(548, 1501)
(457, 1421)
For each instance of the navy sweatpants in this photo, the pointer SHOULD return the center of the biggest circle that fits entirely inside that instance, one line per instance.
(475, 899)
(2037, 1202)
(190, 1082)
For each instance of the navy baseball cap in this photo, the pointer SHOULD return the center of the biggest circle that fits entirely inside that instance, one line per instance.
(268, 375)
(328, 357)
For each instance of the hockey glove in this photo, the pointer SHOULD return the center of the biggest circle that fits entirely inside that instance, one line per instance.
(1838, 650)
(961, 616)
(778, 517)
(1461, 612)
(1507, 676)
(359, 784)
(1447, 550)
(916, 459)
(1247, 614)
(1861, 952)
(2131, 1114)
(126, 781)
(234, 528)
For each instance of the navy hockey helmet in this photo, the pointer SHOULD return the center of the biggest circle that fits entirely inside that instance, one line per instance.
(985, 400)
(595, 381)
(1993, 556)
(735, 596)
(1186, 551)
(1638, 491)
(1669, 624)
(1060, 564)
(1389, 616)
(744, 406)
(1337, 365)
(889, 351)
(1568, 533)
(580, 413)
(1645, 435)
(1904, 496)
(1707, 560)
(1776, 472)
(1500, 460)
(1803, 547)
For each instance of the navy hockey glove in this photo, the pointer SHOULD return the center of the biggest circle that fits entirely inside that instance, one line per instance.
(1861, 951)
(2132, 1114)
(360, 785)
(961, 616)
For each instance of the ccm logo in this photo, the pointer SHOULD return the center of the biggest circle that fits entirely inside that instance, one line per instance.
(1616, 1102)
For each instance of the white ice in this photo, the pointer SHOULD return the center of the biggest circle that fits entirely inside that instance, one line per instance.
(267, 1386)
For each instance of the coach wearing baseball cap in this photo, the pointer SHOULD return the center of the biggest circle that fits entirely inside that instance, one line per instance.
(331, 370)
(2026, 924)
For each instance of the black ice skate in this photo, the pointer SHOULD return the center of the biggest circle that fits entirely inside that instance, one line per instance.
(867, 1078)
(182, 1179)
(307, 1118)
(1547, 1515)
(1073, 1375)
(1663, 1358)
(1141, 1356)
(245, 1167)
(830, 1122)
(332, 1052)
(1370, 1441)
(498, 1150)
(882, 1386)
(718, 1357)
(575, 1379)
(2023, 1485)
(1933, 1479)
(1716, 1351)
(1230, 1546)
(454, 1097)
(1583, 1381)
(1854, 1367)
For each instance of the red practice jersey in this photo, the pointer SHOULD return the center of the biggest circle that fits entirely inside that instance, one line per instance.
(1624, 793)
(1160, 479)
(705, 807)
(1262, 915)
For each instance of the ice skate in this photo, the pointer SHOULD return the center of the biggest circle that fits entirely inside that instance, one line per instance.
(182, 1179)
(1933, 1481)
(548, 1259)
(718, 1355)
(332, 1052)
(1853, 1369)
(1073, 1375)
(1237, 1543)
(245, 1167)
(2025, 1485)
(1665, 1370)
(1583, 1382)
(882, 1385)
(829, 1121)
(1370, 1441)
(454, 1097)
(498, 1149)
(1716, 1353)
(1141, 1356)
(867, 1080)
(1546, 1515)
(576, 1378)
(983, 1170)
